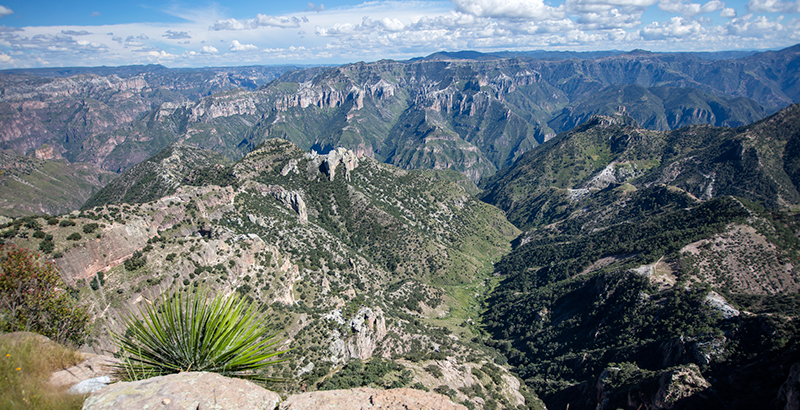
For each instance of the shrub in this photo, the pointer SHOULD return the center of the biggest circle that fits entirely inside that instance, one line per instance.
(90, 227)
(74, 236)
(136, 261)
(46, 246)
(434, 370)
(65, 223)
(197, 332)
(32, 297)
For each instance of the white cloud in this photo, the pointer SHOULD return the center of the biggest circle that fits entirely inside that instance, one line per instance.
(625, 6)
(608, 19)
(677, 27)
(314, 7)
(690, 9)
(209, 50)
(176, 35)
(5, 58)
(261, 20)
(513, 9)
(335, 30)
(392, 24)
(237, 46)
(5, 11)
(728, 12)
(75, 33)
(773, 6)
(756, 27)
(95, 14)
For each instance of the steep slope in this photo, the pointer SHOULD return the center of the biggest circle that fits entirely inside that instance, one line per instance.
(659, 268)
(63, 107)
(661, 108)
(161, 175)
(473, 116)
(46, 183)
(373, 273)
(756, 162)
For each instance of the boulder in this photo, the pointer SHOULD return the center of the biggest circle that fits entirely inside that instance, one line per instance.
(190, 390)
(95, 367)
(367, 398)
(789, 393)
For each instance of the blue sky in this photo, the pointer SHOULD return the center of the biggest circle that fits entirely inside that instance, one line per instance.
(45, 33)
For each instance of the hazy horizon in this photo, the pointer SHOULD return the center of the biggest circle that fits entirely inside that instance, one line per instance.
(177, 34)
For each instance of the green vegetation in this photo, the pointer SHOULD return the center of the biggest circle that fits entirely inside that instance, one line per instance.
(373, 373)
(198, 332)
(32, 297)
(26, 363)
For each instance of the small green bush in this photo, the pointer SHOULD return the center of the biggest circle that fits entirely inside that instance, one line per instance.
(46, 246)
(74, 237)
(65, 223)
(43, 307)
(90, 227)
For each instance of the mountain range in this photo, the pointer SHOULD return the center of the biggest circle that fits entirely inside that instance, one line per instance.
(473, 113)
(631, 242)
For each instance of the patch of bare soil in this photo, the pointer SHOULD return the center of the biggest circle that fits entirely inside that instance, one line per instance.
(744, 260)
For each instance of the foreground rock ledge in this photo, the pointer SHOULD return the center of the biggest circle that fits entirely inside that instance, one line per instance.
(365, 398)
(191, 390)
(210, 391)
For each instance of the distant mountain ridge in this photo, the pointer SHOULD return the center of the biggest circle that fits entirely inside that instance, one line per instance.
(472, 115)
(756, 162)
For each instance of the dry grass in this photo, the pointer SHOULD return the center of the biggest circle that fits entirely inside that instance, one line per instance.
(26, 362)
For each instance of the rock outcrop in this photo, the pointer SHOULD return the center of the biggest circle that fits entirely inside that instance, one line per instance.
(789, 394)
(201, 390)
(327, 163)
(191, 390)
(366, 398)
(679, 387)
(368, 328)
(87, 376)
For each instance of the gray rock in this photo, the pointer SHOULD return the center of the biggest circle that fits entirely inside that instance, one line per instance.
(789, 393)
(366, 398)
(94, 367)
(90, 385)
(191, 390)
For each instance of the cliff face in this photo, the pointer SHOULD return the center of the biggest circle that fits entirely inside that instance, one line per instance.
(472, 116)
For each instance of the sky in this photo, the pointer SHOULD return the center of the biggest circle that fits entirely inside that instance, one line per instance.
(56, 33)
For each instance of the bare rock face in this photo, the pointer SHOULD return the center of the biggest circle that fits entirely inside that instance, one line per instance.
(191, 390)
(366, 398)
(789, 394)
(328, 163)
(47, 152)
(368, 329)
(679, 387)
(93, 367)
(677, 384)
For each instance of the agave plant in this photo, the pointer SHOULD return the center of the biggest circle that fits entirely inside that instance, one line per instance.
(196, 332)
